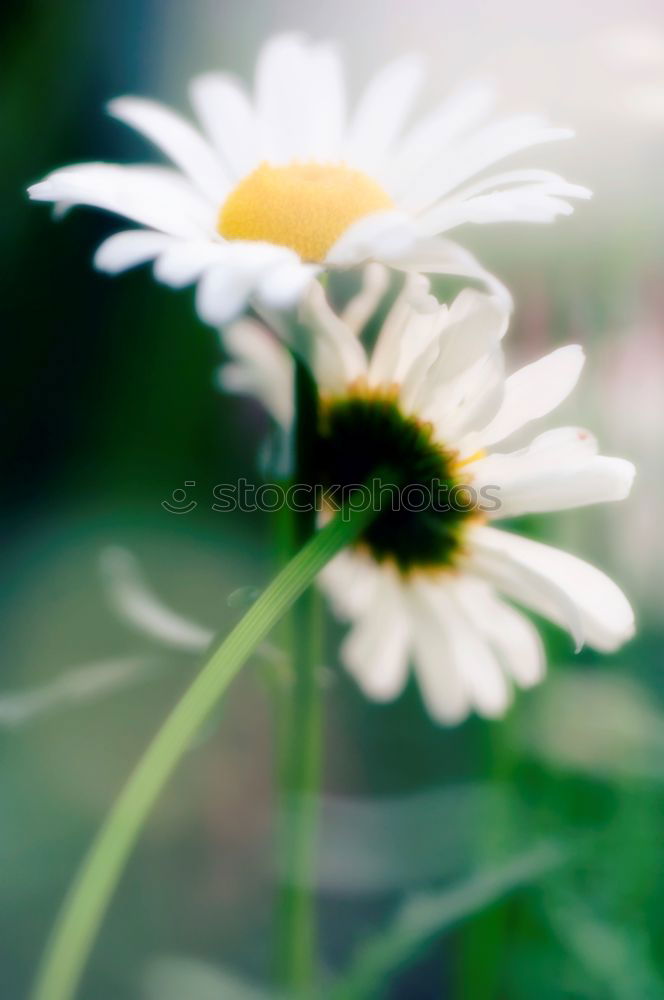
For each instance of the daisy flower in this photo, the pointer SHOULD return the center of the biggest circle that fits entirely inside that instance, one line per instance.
(430, 406)
(286, 183)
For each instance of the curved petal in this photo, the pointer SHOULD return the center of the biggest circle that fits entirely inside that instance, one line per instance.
(359, 310)
(472, 328)
(470, 655)
(225, 111)
(514, 638)
(128, 249)
(182, 262)
(285, 284)
(534, 391)
(260, 367)
(554, 583)
(434, 255)
(382, 236)
(443, 687)
(226, 287)
(381, 112)
(395, 348)
(452, 166)
(333, 353)
(559, 470)
(376, 649)
(470, 400)
(540, 202)
(156, 197)
(133, 601)
(178, 140)
(458, 113)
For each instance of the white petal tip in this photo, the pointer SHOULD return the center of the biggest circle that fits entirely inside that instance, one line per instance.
(625, 473)
(118, 105)
(41, 191)
(622, 636)
(445, 718)
(576, 352)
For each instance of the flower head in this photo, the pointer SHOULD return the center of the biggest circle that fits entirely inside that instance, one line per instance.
(427, 409)
(287, 183)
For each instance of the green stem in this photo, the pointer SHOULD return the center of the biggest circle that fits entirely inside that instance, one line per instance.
(300, 742)
(298, 808)
(89, 896)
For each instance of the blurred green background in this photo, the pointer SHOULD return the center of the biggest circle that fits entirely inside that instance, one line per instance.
(506, 860)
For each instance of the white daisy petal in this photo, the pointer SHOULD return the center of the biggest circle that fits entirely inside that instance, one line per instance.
(360, 309)
(300, 100)
(326, 103)
(411, 346)
(459, 112)
(281, 97)
(444, 690)
(559, 470)
(225, 111)
(469, 401)
(472, 328)
(492, 143)
(440, 256)
(260, 367)
(156, 197)
(135, 602)
(382, 111)
(518, 644)
(129, 249)
(180, 142)
(283, 286)
(523, 178)
(226, 287)
(525, 203)
(524, 586)
(395, 349)
(221, 295)
(514, 638)
(382, 236)
(333, 353)
(470, 655)
(177, 262)
(552, 581)
(375, 650)
(182, 263)
(351, 582)
(534, 391)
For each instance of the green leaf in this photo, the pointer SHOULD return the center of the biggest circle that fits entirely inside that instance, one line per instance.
(171, 977)
(422, 918)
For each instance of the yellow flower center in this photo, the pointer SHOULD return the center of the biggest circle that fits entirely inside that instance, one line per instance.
(304, 206)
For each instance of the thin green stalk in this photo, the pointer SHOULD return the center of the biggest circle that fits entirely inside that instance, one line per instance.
(298, 808)
(87, 901)
(300, 752)
(485, 936)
